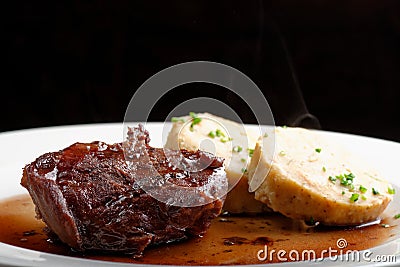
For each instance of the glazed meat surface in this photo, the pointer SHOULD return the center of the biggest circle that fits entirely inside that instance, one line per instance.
(92, 198)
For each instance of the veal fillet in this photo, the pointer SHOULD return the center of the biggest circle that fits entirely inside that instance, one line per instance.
(91, 198)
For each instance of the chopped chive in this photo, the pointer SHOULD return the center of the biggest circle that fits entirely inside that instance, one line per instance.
(323, 169)
(384, 225)
(192, 114)
(224, 139)
(391, 191)
(284, 126)
(318, 150)
(243, 160)
(265, 135)
(363, 189)
(219, 133)
(351, 187)
(237, 149)
(374, 191)
(397, 216)
(244, 170)
(349, 176)
(195, 120)
(354, 197)
(211, 134)
(251, 152)
(332, 179)
(363, 197)
(343, 193)
(176, 119)
(345, 180)
(282, 153)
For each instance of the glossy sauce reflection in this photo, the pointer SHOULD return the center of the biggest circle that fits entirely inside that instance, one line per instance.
(230, 240)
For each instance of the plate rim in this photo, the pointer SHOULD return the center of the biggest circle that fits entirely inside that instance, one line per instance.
(50, 259)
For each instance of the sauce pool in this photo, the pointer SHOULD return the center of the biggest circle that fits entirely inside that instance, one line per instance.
(230, 239)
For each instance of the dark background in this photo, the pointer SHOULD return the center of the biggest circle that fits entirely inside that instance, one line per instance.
(70, 62)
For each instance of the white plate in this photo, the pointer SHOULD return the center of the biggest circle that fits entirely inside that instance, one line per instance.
(21, 147)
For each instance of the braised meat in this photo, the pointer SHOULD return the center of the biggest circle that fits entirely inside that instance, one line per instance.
(126, 196)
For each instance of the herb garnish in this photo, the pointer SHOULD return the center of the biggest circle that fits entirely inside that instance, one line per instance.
(219, 133)
(363, 189)
(211, 134)
(391, 191)
(351, 187)
(346, 179)
(374, 191)
(397, 216)
(354, 197)
(224, 139)
(195, 120)
(177, 119)
(251, 152)
(237, 149)
(318, 150)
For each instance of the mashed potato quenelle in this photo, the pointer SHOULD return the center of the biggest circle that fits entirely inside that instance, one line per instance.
(226, 139)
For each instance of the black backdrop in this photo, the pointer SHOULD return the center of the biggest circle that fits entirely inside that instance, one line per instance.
(70, 62)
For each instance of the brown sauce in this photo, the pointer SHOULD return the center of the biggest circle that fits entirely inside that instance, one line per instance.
(230, 239)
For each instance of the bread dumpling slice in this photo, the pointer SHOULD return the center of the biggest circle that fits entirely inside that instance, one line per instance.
(313, 179)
